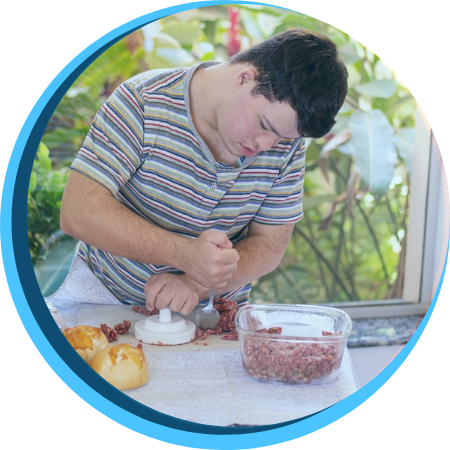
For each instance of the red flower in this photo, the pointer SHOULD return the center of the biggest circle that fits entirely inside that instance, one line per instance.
(233, 34)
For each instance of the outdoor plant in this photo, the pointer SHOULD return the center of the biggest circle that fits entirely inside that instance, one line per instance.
(350, 245)
(44, 201)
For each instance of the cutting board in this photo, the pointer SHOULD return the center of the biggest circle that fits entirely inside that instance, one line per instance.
(111, 315)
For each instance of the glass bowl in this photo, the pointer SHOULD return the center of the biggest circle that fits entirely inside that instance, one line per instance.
(292, 343)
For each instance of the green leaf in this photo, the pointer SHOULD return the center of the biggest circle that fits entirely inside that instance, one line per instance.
(167, 52)
(372, 146)
(56, 183)
(345, 149)
(250, 22)
(43, 151)
(267, 23)
(313, 151)
(376, 88)
(65, 137)
(209, 30)
(296, 20)
(116, 63)
(208, 13)
(348, 54)
(45, 165)
(204, 51)
(404, 141)
(33, 183)
(51, 272)
(337, 140)
(185, 33)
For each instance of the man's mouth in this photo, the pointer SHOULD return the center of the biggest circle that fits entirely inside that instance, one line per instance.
(248, 151)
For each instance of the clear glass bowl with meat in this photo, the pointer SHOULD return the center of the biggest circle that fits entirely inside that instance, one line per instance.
(292, 343)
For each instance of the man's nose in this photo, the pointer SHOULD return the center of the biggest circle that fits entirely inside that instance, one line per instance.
(266, 141)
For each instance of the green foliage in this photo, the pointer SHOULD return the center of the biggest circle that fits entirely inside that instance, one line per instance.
(348, 246)
(44, 201)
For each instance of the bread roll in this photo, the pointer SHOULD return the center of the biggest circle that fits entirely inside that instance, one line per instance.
(121, 365)
(86, 340)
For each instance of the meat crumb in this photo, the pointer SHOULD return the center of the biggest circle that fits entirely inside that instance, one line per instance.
(141, 310)
(227, 310)
(272, 330)
(110, 334)
(122, 328)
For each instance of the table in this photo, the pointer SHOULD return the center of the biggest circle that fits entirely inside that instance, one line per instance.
(204, 381)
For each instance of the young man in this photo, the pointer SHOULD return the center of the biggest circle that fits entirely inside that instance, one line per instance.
(192, 179)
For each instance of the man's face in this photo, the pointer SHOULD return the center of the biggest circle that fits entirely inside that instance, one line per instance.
(249, 124)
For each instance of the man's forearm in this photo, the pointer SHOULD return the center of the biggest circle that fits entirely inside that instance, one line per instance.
(90, 213)
(94, 216)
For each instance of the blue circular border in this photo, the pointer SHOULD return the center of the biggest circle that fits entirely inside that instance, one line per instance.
(61, 356)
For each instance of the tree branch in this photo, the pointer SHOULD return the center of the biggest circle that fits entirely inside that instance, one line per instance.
(322, 257)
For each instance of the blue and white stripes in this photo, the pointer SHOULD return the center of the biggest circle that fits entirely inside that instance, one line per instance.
(143, 148)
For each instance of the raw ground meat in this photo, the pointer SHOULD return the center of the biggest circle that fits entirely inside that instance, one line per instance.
(110, 334)
(145, 311)
(272, 330)
(122, 328)
(202, 334)
(289, 362)
(330, 333)
(233, 336)
(227, 310)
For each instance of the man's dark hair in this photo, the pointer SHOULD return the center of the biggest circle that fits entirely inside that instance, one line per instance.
(303, 69)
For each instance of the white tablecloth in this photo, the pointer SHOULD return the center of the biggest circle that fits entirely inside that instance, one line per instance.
(199, 383)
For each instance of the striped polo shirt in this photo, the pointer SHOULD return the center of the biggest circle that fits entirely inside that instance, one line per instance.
(144, 149)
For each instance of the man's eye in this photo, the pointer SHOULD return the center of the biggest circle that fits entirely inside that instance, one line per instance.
(262, 126)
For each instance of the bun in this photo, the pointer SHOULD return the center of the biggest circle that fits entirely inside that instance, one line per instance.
(121, 365)
(86, 340)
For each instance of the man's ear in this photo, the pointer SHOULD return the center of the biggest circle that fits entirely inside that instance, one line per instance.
(246, 75)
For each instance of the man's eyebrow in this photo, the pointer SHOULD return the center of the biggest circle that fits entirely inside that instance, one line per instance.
(273, 129)
(271, 126)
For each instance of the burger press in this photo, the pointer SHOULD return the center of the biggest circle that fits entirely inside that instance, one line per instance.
(164, 329)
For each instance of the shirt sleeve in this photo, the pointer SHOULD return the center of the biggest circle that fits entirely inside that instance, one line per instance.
(284, 202)
(113, 148)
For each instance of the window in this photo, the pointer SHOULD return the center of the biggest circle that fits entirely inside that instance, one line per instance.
(427, 238)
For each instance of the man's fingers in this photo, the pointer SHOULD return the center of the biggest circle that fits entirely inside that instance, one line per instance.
(166, 296)
(213, 259)
(167, 290)
(153, 288)
(217, 238)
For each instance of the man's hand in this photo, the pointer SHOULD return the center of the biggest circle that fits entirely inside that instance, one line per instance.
(259, 253)
(211, 259)
(167, 290)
